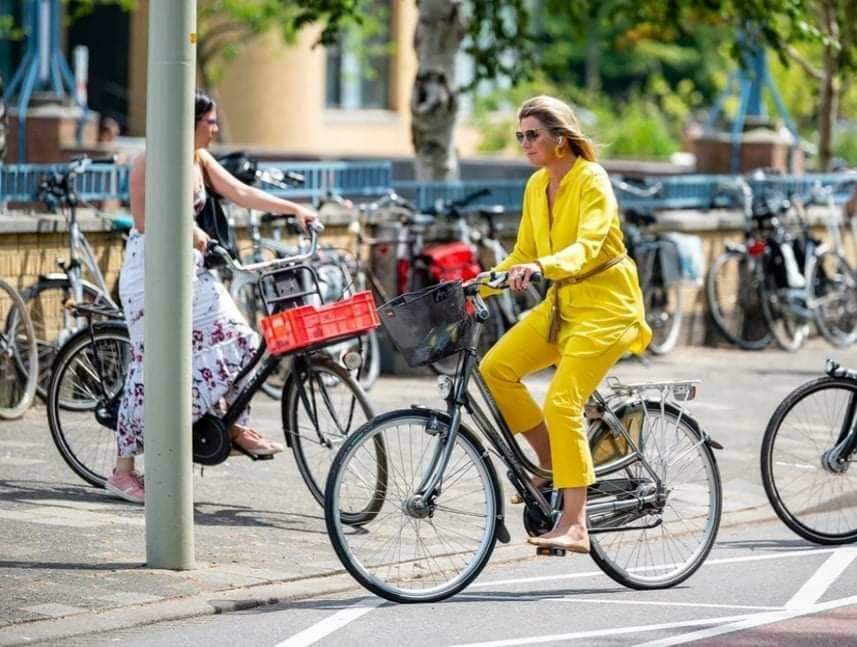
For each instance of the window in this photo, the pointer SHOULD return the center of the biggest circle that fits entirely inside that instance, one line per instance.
(358, 67)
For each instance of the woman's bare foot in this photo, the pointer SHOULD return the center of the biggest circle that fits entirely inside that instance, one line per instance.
(573, 537)
(253, 442)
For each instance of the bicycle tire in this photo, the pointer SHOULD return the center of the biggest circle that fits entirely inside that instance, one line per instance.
(665, 324)
(833, 298)
(410, 577)
(321, 390)
(785, 482)
(88, 447)
(672, 567)
(45, 301)
(789, 330)
(20, 369)
(749, 334)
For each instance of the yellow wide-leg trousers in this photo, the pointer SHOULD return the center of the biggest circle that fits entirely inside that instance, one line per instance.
(524, 350)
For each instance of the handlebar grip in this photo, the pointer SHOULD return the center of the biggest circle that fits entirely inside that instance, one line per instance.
(215, 255)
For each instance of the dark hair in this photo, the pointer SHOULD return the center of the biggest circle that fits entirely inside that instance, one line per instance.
(202, 105)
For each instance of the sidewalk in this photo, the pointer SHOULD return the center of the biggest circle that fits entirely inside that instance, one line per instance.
(72, 557)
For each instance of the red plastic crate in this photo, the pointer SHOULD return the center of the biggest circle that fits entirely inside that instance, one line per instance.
(305, 326)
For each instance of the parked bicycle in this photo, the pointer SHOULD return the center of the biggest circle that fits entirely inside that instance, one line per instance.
(334, 267)
(658, 268)
(19, 357)
(322, 403)
(808, 454)
(778, 282)
(653, 515)
(45, 300)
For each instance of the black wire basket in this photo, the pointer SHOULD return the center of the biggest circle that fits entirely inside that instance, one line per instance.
(429, 324)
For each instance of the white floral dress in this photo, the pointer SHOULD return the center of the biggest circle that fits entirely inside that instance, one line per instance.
(222, 343)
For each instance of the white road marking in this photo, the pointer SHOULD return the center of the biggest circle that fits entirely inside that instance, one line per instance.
(595, 633)
(750, 622)
(708, 562)
(821, 580)
(327, 626)
(653, 603)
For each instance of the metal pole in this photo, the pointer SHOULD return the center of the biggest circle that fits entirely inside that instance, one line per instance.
(167, 333)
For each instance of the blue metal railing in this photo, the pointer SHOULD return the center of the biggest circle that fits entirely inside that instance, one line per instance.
(20, 183)
(425, 194)
(355, 179)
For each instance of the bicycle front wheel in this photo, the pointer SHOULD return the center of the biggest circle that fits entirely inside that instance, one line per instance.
(732, 293)
(52, 323)
(18, 354)
(833, 298)
(666, 538)
(322, 405)
(413, 549)
(811, 491)
(83, 399)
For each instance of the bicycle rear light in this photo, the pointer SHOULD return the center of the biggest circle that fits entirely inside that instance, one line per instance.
(756, 248)
(684, 392)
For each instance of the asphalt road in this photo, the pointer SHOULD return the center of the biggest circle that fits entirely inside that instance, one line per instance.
(759, 586)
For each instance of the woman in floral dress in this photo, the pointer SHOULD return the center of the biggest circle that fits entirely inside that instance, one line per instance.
(222, 343)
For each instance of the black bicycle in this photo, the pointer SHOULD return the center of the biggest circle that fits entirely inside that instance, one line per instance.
(653, 514)
(321, 402)
(808, 452)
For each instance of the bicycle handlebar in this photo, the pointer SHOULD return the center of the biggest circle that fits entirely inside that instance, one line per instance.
(217, 256)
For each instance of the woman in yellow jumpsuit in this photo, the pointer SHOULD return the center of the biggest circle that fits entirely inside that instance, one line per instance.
(593, 313)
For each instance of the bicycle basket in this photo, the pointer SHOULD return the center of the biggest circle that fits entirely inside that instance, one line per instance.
(428, 325)
(312, 326)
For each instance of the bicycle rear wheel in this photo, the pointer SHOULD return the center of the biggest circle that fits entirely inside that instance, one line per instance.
(321, 406)
(833, 298)
(83, 399)
(660, 544)
(813, 494)
(19, 359)
(413, 550)
(733, 301)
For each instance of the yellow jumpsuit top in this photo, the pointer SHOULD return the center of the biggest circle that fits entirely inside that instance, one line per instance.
(582, 233)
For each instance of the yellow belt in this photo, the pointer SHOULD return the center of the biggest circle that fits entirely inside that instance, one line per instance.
(553, 331)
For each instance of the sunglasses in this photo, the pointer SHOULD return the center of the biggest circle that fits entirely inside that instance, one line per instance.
(530, 135)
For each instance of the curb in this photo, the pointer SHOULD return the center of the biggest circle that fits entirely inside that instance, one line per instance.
(248, 597)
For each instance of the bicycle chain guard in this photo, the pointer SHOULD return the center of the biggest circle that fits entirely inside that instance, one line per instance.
(211, 443)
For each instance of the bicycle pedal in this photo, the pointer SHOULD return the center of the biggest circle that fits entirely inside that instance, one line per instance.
(549, 551)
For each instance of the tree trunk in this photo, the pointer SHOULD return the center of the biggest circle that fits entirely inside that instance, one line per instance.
(434, 100)
(828, 106)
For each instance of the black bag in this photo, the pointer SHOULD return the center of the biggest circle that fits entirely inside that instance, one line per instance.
(213, 221)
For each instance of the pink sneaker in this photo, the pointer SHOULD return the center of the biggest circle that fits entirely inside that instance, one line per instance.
(127, 486)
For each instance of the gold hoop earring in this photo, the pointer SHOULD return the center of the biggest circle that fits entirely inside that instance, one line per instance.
(559, 151)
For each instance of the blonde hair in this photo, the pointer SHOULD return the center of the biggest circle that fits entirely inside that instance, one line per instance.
(559, 119)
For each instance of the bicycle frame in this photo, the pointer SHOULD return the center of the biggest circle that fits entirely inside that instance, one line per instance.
(506, 447)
